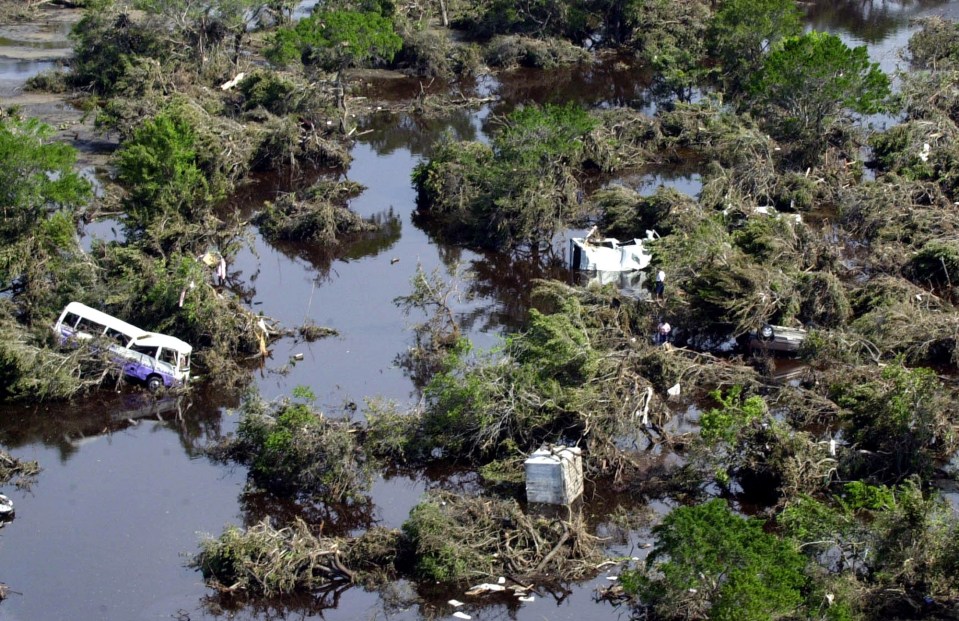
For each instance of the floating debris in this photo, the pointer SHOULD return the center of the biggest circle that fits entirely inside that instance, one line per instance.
(486, 587)
(6, 508)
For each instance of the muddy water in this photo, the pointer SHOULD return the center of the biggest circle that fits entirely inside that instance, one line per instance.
(123, 494)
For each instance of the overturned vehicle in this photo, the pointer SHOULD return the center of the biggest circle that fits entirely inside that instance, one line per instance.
(156, 359)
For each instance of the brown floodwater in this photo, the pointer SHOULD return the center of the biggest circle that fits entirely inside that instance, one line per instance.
(107, 530)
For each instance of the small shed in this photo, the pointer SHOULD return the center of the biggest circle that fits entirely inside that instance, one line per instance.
(554, 475)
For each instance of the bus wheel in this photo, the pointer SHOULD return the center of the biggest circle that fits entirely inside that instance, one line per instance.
(154, 383)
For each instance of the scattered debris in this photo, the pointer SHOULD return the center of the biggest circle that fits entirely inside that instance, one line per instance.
(231, 83)
(486, 587)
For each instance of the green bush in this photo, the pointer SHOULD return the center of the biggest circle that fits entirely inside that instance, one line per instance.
(295, 451)
(159, 167)
(710, 563)
(520, 191)
(336, 39)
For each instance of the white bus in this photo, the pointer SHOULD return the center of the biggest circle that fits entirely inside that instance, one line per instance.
(156, 359)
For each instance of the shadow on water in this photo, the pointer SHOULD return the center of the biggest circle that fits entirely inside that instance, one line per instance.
(609, 83)
(67, 427)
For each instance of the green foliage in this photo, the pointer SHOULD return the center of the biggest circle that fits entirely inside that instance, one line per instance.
(937, 264)
(626, 214)
(557, 346)
(743, 31)
(438, 557)
(522, 190)
(671, 37)
(267, 89)
(40, 259)
(903, 416)
(266, 561)
(318, 214)
(292, 450)
(537, 18)
(723, 424)
(708, 561)
(159, 168)
(107, 44)
(935, 45)
(37, 177)
(336, 39)
(824, 300)
(809, 83)
(859, 495)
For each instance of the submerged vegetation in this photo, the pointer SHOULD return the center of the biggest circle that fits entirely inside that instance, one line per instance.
(789, 230)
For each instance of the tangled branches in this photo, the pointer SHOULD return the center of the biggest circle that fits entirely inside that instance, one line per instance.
(457, 538)
(263, 560)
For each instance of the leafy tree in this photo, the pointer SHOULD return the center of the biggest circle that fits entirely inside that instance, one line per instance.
(36, 177)
(671, 37)
(812, 81)
(902, 419)
(519, 191)
(710, 562)
(743, 31)
(334, 40)
(39, 193)
(159, 168)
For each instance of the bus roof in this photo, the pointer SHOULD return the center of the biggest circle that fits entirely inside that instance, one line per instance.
(142, 337)
(107, 320)
(153, 339)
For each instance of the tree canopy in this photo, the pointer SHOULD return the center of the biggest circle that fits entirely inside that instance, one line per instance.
(337, 39)
(811, 81)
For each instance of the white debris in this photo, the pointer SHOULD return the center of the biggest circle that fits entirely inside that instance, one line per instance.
(236, 80)
(455, 603)
(924, 153)
(608, 254)
(6, 506)
(501, 580)
(461, 615)
(486, 587)
(674, 390)
(526, 599)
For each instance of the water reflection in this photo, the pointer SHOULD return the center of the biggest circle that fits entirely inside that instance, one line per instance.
(388, 229)
(502, 284)
(869, 21)
(610, 82)
(67, 427)
(416, 134)
(334, 519)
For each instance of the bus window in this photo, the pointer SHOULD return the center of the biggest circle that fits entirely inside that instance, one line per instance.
(90, 327)
(168, 356)
(121, 338)
(148, 351)
(71, 320)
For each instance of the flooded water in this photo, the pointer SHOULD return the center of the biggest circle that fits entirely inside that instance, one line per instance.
(106, 531)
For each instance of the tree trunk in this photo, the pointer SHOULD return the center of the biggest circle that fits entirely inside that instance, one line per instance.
(446, 19)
